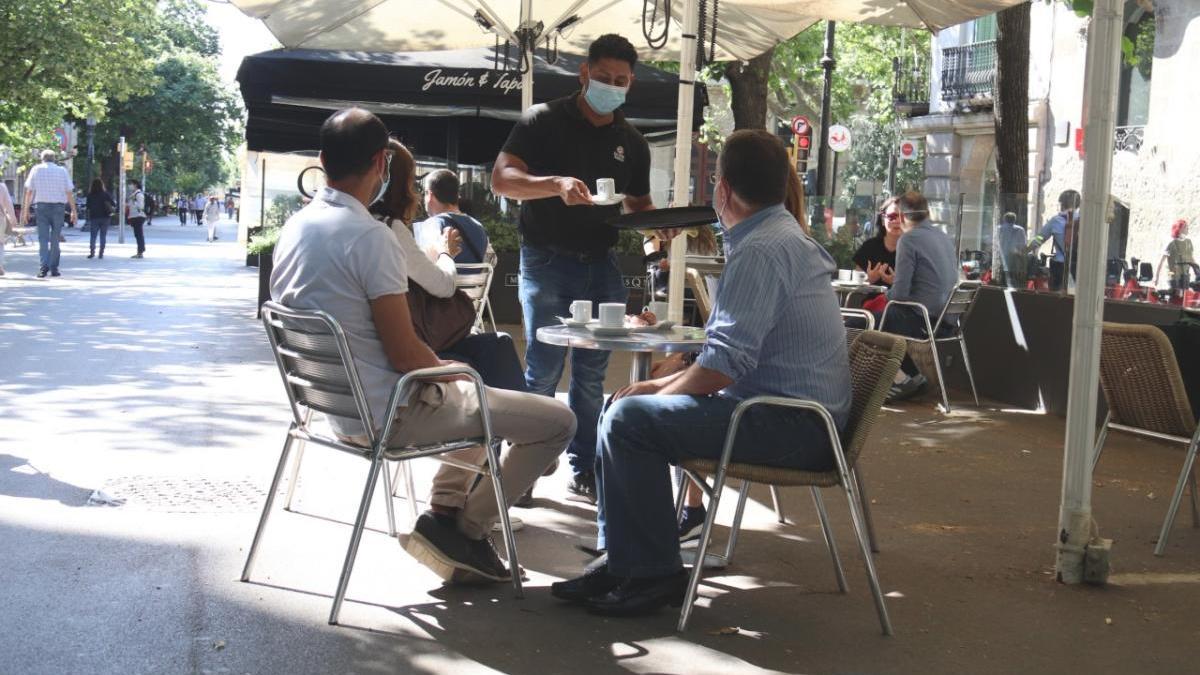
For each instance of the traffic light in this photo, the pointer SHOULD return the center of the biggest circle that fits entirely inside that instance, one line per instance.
(801, 141)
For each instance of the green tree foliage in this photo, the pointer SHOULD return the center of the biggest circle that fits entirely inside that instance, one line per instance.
(68, 58)
(190, 121)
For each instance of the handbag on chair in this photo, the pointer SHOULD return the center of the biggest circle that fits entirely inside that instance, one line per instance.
(440, 322)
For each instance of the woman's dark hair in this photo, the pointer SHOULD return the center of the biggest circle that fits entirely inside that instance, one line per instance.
(401, 200)
(755, 165)
(97, 187)
(612, 46)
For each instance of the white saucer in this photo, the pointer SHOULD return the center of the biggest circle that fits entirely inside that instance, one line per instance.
(615, 199)
(661, 325)
(609, 331)
(568, 321)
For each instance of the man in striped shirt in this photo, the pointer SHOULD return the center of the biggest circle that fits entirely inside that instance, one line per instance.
(775, 329)
(48, 193)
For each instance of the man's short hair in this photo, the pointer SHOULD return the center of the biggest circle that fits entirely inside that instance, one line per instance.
(913, 206)
(612, 46)
(443, 183)
(350, 138)
(755, 165)
(48, 155)
(1010, 218)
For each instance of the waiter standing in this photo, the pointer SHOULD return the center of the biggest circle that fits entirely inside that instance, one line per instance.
(553, 156)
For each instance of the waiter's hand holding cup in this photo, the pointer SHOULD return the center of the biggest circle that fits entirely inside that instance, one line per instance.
(573, 191)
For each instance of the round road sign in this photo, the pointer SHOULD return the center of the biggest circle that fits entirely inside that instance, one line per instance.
(800, 125)
(839, 138)
(908, 149)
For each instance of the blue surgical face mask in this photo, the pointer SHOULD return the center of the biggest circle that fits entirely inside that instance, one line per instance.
(604, 98)
(387, 179)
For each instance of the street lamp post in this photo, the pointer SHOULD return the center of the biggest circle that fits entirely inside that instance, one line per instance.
(91, 138)
(827, 62)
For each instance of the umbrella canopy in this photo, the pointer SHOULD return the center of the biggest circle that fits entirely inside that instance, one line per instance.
(433, 101)
(745, 28)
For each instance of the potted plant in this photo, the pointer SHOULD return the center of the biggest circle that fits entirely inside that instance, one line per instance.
(262, 247)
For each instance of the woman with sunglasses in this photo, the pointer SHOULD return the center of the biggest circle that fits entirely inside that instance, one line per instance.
(877, 255)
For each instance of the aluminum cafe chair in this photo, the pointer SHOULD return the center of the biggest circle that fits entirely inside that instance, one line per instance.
(475, 279)
(319, 375)
(948, 328)
(1144, 389)
(874, 359)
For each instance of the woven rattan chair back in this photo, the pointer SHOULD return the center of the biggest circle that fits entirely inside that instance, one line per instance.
(874, 359)
(315, 364)
(1141, 382)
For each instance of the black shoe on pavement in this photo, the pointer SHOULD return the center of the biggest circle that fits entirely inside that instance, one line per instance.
(55, 273)
(437, 543)
(639, 597)
(91, 255)
(526, 500)
(594, 583)
(42, 273)
(583, 487)
(907, 389)
(691, 522)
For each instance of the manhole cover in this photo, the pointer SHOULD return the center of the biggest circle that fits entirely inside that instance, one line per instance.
(187, 494)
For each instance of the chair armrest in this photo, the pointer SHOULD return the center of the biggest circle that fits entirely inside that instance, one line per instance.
(783, 402)
(403, 389)
(906, 303)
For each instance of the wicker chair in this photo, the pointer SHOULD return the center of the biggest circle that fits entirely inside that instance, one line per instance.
(1145, 394)
(319, 374)
(874, 359)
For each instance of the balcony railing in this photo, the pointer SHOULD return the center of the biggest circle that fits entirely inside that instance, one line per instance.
(969, 73)
(910, 86)
(1128, 138)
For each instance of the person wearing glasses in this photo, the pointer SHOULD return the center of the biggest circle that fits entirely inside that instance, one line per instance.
(551, 160)
(877, 255)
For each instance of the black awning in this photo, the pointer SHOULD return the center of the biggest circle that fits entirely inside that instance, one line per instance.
(428, 99)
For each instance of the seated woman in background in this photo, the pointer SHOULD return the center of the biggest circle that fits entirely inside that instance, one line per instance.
(492, 355)
(877, 255)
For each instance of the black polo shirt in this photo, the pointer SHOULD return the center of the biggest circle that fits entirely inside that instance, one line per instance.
(555, 139)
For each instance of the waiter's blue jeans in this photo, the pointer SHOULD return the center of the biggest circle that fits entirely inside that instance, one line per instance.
(550, 282)
(49, 221)
(640, 436)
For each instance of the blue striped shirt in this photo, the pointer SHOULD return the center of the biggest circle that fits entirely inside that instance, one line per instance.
(775, 327)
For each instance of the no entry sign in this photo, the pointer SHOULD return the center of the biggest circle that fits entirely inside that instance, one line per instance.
(908, 149)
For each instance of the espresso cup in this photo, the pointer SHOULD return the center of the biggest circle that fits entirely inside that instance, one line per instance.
(581, 311)
(659, 309)
(612, 314)
(860, 276)
(605, 187)
(845, 275)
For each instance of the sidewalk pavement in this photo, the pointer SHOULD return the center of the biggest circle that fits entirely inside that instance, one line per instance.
(152, 381)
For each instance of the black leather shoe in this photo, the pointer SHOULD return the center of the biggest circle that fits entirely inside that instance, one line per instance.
(42, 273)
(582, 488)
(640, 597)
(594, 583)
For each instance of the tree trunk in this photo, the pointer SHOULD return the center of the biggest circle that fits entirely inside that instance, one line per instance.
(1012, 107)
(1011, 110)
(748, 90)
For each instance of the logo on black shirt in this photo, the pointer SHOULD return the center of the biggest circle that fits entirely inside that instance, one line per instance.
(619, 153)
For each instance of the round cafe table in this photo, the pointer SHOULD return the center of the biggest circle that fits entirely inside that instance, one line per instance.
(845, 289)
(640, 344)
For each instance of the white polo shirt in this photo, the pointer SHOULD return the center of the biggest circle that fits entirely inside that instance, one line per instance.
(50, 184)
(333, 256)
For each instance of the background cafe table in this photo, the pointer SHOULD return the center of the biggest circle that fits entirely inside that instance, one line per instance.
(845, 289)
(640, 343)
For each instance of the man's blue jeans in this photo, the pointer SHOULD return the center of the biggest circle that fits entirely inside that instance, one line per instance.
(49, 221)
(550, 282)
(641, 436)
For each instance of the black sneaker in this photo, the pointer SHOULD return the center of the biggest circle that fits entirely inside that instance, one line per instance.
(55, 273)
(486, 565)
(691, 523)
(583, 488)
(42, 273)
(907, 389)
(437, 543)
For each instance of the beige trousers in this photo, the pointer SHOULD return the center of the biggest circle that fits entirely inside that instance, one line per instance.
(537, 428)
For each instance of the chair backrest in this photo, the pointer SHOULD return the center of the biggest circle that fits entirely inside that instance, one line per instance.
(874, 359)
(695, 281)
(315, 363)
(856, 321)
(476, 281)
(961, 299)
(1141, 382)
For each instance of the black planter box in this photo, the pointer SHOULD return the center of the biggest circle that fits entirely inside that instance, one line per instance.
(507, 307)
(265, 264)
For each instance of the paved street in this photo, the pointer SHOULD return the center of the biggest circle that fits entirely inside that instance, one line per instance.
(151, 381)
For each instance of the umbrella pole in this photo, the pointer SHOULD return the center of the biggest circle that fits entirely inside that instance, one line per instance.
(1077, 530)
(683, 151)
(527, 76)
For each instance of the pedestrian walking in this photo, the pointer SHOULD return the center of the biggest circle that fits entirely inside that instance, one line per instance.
(8, 220)
(181, 205)
(212, 214)
(48, 193)
(100, 207)
(198, 209)
(135, 214)
(229, 207)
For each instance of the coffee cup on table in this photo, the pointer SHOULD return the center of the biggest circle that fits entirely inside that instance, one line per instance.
(581, 311)
(845, 275)
(612, 314)
(605, 187)
(860, 276)
(659, 309)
